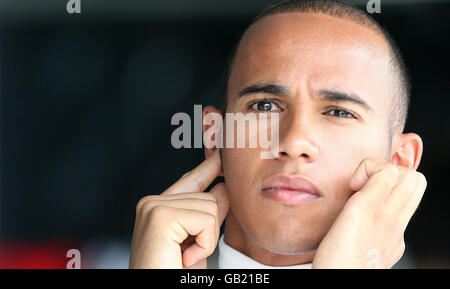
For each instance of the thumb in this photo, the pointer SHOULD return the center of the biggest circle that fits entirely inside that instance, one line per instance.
(363, 172)
(220, 192)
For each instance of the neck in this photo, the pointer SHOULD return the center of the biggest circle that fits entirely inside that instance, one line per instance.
(236, 237)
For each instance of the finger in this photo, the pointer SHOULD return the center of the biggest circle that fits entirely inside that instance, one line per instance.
(207, 206)
(155, 198)
(366, 168)
(194, 223)
(199, 178)
(180, 196)
(402, 192)
(414, 201)
(374, 179)
(223, 203)
(205, 240)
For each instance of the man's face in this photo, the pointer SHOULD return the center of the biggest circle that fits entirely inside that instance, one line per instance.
(311, 56)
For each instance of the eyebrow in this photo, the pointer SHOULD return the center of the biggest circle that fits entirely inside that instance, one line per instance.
(339, 96)
(265, 88)
(327, 94)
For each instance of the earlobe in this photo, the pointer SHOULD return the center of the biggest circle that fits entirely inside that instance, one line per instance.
(407, 150)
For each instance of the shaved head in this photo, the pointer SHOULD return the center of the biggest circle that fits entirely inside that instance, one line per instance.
(400, 86)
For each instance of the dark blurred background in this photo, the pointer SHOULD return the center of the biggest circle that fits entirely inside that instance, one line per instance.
(86, 104)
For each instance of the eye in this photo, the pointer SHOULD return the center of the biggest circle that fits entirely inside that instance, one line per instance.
(341, 113)
(264, 105)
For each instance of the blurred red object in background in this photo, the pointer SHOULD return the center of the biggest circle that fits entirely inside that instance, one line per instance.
(36, 255)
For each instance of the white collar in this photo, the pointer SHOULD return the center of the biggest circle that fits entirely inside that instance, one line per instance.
(230, 258)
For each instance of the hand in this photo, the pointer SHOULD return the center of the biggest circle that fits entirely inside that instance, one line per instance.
(368, 233)
(180, 228)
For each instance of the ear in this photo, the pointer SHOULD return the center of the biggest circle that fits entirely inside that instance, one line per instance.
(207, 125)
(406, 150)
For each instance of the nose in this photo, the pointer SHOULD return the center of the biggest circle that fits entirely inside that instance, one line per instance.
(297, 139)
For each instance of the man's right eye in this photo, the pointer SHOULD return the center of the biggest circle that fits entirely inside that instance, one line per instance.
(265, 105)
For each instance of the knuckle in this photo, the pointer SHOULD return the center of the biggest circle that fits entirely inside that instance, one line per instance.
(196, 178)
(204, 195)
(148, 206)
(159, 218)
(367, 161)
(373, 164)
(211, 197)
(215, 208)
(158, 212)
(210, 220)
(141, 203)
(208, 206)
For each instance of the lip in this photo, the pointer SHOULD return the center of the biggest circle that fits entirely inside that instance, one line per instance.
(290, 190)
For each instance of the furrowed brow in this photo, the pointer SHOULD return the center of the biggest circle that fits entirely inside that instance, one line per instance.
(339, 96)
(273, 89)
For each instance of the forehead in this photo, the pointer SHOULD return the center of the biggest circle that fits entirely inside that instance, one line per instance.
(314, 49)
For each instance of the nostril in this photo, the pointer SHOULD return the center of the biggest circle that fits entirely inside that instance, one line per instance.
(285, 154)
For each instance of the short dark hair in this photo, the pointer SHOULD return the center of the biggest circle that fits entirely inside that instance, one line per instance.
(401, 83)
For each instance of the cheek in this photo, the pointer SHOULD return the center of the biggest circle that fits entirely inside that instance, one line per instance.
(239, 163)
(349, 145)
(240, 166)
(340, 157)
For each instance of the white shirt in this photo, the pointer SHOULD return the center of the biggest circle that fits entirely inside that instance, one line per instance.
(230, 258)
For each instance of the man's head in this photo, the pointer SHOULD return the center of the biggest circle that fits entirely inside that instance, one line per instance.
(400, 83)
(337, 85)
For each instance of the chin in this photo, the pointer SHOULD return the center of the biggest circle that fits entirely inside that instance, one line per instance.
(288, 247)
(285, 239)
